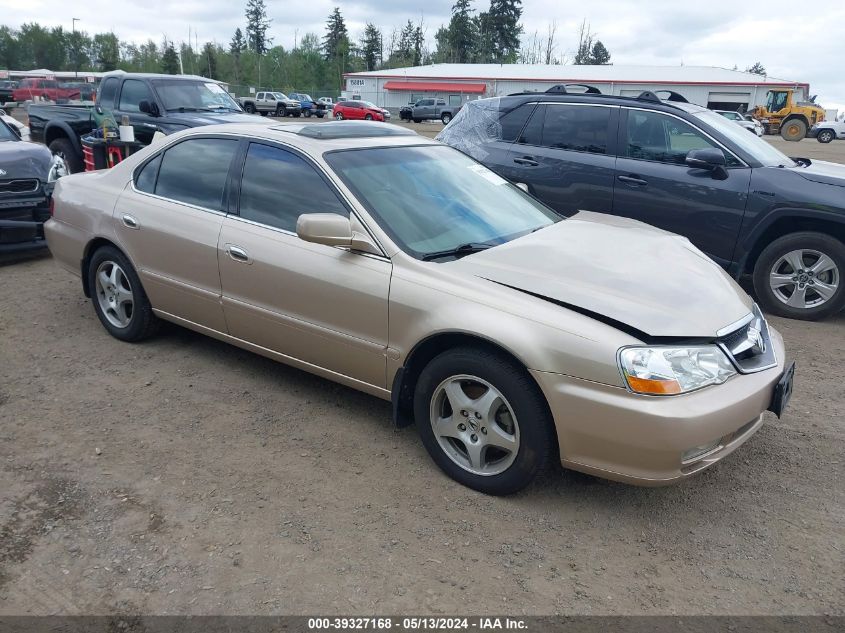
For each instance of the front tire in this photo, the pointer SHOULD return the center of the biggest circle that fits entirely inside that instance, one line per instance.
(445, 118)
(483, 420)
(369, 117)
(307, 114)
(826, 136)
(793, 130)
(118, 297)
(338, 116)
(800, 276)
(63, 148)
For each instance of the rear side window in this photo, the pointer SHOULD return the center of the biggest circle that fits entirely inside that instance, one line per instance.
(577, 128)
(279, 186)
(108, 91)
(194, 171)
(145, 180)
(512, 122)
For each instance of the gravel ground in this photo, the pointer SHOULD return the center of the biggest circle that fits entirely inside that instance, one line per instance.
(183, 475)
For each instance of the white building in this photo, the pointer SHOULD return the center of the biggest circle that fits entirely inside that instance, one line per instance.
(717, 88)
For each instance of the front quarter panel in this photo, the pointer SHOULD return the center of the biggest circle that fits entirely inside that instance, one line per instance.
(427, 299)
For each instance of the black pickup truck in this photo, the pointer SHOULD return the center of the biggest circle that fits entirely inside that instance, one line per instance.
(153, 103)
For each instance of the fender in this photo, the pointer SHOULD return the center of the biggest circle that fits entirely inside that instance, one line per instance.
(67, 131)
(799, 213)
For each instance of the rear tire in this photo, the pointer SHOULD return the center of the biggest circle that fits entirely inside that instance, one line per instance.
(789, 265)
(63, 148)
(445, 118)
(826, 136)
(338, 116)
(111, 279)
(518, 417)
(793, 130)
(417, 120)
(249, 108)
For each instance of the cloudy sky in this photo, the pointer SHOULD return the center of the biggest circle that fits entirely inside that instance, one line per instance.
(807, 46)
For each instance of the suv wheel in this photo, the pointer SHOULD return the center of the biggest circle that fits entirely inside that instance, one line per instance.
(826, 136)
(249, 108)
(800, 276)
(446, 117)
(483, 420)
(118, 297)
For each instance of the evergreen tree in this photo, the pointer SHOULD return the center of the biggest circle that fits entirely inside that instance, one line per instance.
(336, 35)
(757, 68)
(238, 43)
(371, 47)
(169, 59)
(257, 24)
(208, 61)
(584, 54)
(599, 54)
(504, 18)
(483, 52)
(461, 33)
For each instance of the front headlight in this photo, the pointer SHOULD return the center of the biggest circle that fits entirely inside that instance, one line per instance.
(673, 370)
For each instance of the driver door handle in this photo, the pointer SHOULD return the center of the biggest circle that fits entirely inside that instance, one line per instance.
(238, 254)
(632, 180)
(527, 161)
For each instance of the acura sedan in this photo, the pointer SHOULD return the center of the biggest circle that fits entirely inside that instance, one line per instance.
(510, 335)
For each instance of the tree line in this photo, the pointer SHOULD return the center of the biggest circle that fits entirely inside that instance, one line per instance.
(315, 63)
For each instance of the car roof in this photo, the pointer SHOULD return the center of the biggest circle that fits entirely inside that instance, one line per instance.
(663, 105)
(317, 138)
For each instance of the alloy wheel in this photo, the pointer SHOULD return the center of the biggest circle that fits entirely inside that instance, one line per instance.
(114, 294)
(474, 425)
(804, 278)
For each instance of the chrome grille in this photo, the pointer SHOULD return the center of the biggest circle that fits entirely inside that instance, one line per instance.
(21, 185)
(749, 347)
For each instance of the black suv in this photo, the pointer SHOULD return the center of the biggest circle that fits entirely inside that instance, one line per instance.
(680, 167)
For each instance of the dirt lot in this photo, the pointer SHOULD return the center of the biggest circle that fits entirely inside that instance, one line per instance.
(186, 476)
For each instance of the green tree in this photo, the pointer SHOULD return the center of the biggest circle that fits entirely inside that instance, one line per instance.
(484, 51)
(106, 51)
(504, 18)
(10, 51)
(169, 59)
(257, 24)
(462, 34)
(78, 46)
(757, 68)
(584, 53)
(371, 46)
(335, 36)
(208, 61)
(599, 54)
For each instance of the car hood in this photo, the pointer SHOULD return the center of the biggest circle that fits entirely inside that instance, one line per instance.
(823, 171)
(20, 159)
(624, 272)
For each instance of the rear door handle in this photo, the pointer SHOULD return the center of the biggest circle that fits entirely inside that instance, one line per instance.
(238, 254)
(130, 222)
(527, 161)
(633, 180)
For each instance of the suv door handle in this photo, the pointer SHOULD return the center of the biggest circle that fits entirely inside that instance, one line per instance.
(633, 180)
(238, 254)
(130, 222)
(527, 161)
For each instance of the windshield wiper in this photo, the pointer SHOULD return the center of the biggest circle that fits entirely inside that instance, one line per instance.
(188, 109)
(459, 251)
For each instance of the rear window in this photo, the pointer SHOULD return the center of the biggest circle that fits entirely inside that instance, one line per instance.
(512, 122)
(194, 171)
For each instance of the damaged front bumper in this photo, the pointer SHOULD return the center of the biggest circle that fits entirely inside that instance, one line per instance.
(22, 220)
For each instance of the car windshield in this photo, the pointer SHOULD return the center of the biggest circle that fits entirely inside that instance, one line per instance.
(761, 150)
(193, 95)
(6, 133)
(305, 97)
(433, 199)
(280, 95)
(372, 105)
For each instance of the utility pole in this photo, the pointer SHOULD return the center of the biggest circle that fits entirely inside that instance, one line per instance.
(76, 48)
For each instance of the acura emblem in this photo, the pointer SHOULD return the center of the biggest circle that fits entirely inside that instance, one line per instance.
(755, 337)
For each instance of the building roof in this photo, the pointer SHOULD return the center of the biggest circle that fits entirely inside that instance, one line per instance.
(572, 74)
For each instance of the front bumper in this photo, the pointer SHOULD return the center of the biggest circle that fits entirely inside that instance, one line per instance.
(22, 223)
(612, 433)
(814, 132)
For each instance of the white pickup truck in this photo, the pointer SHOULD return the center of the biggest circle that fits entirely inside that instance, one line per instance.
(273, 103)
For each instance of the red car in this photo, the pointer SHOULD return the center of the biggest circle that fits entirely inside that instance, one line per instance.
(359, 110)
(28, 89)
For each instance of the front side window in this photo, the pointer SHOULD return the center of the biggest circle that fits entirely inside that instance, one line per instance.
(434, 198)
(658, 137)
(194, 171)
(278, 186)
(132, 94)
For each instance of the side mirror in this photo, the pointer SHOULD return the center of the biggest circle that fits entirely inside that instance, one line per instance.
(711, 159)
(148, 107)
(332, 229)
